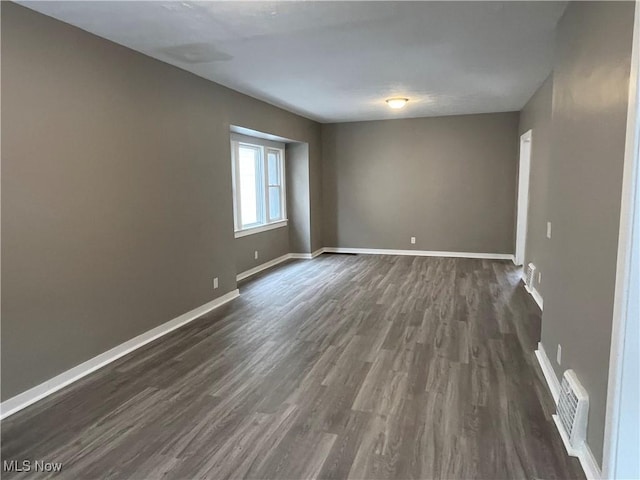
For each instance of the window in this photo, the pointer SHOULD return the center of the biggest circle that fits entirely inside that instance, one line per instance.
(259, 197)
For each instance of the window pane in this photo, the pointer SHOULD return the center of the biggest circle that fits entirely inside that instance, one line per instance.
(275, 210)
(274, 167)
(248, 171)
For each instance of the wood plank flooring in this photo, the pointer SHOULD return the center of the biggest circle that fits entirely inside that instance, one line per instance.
(364, 367)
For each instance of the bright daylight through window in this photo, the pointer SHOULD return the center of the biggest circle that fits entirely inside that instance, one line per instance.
(259, 198)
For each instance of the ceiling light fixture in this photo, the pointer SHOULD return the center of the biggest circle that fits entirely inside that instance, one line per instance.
(397, 102)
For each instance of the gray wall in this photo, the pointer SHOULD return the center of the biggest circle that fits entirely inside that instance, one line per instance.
(448, 181)
(116, 193)
(588, 123)
(270, 245)
(298, 197)
(316, 192)
(536, 116)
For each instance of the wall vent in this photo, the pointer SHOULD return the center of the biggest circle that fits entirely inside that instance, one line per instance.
(573, 409)
(529, 276)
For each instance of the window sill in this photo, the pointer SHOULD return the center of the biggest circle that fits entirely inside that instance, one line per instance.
(261, 228)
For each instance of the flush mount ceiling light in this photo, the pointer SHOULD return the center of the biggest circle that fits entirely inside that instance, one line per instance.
(397, 102)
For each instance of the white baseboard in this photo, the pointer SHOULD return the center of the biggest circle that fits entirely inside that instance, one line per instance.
(307, 256)
(264, 266)
(369, 251)
(276, 261)
(565, 439)
(549, 374)
(585, 455)
(301, 256)
(24, 399)
(589, 463)
(536, 295)
(419, 253)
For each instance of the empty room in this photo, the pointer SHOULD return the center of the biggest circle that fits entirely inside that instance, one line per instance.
(320, 240)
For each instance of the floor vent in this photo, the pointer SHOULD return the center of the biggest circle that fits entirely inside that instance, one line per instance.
(529, 275)
(571, 417)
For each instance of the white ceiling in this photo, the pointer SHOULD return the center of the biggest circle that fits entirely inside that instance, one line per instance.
(339, 61)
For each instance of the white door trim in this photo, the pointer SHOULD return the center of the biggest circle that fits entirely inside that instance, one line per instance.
(524, 171)
(620, 459)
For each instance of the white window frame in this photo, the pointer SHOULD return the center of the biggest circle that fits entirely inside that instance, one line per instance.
(264, 223)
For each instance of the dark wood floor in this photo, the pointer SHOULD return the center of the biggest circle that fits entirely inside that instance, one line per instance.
(341, 367)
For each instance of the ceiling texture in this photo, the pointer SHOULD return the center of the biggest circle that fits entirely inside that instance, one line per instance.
(339, 61)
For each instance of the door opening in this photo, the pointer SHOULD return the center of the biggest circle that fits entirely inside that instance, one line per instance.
(523, 196)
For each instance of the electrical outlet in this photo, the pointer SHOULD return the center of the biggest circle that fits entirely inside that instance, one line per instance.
(559, 355)
(413, 240)
(539, 278)
(215, 283)
(548, 229)
(255, 255)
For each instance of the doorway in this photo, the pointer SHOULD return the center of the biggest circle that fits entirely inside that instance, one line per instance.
(524, 170)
